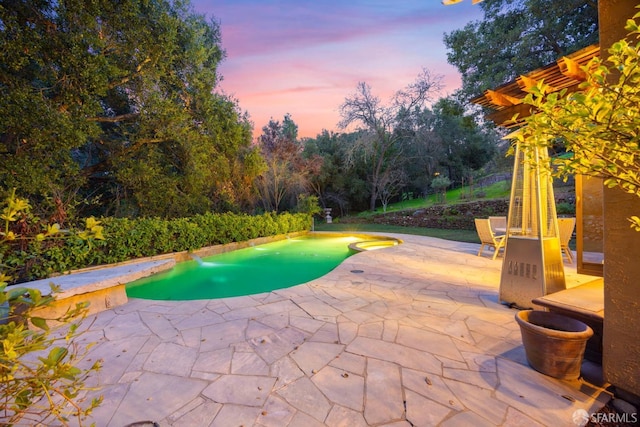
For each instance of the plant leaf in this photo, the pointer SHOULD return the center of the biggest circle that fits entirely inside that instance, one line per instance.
(39, 322)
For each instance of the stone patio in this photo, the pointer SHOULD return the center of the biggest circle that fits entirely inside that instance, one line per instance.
(410, 335)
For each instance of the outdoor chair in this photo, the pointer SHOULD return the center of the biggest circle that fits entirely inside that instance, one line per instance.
(488, 237)
(498, 224)
(565, 230)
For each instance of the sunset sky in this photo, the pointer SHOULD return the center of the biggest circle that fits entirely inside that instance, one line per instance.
(305, 57)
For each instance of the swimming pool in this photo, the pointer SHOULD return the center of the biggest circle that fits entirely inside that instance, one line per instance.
(251, 270)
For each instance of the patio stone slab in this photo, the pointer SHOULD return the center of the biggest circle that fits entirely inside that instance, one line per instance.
(341, 387)
(126, 326)
(303, 395)
(403, 356)
(311, 357)
(159, 325)
(218, 361)
(202, 415)
(155, 396)
(430, 342)
(248, 364)
(467, 419)
(171, 359)
(204, 317)
(222, 335)
(248, 390)
(478, 400)
(119, 355)
(430, 386)
(541, 397)
(231, 415)
(384, 395)
(276, 412)
(350, 363)
(345, 417)
(423, 411)
(277, 345)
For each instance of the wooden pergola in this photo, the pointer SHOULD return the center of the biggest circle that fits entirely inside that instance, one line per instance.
(506, 100)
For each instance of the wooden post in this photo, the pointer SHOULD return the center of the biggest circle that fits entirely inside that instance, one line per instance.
(621, 346)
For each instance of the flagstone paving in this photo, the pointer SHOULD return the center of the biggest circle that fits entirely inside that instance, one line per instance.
(410, 335)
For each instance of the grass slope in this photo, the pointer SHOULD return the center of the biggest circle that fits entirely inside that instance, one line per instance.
(494, 191)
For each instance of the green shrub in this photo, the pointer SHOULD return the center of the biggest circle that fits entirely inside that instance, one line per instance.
(137, 238)
(31, 249)
(566, 208)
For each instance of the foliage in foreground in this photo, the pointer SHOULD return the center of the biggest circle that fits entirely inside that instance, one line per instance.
(39, 376)
(39, 379)
(599, 123)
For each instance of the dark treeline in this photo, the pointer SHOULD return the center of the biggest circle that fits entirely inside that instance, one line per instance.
(441, 142)
(387, 149)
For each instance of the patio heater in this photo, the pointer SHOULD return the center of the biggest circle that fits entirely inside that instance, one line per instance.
(532, 265)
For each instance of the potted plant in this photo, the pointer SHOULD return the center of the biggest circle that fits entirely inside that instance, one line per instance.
(554, 344)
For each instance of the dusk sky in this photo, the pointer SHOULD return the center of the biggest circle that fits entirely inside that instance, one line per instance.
(305, 57)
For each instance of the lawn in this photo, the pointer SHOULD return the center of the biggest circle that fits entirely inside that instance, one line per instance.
(469, 236)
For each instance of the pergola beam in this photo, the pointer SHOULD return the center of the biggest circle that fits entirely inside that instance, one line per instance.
(570, 68)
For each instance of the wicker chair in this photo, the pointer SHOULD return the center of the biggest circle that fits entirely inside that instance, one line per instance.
(565, 230)
(488, 238)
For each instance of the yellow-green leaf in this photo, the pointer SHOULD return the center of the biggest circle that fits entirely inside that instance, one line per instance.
(4, 279)
(39, 322)
(91, 222)
(53, 229)
(14, 293)
(56, 355)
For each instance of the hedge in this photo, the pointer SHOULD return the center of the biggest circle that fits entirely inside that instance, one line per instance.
(127, 239)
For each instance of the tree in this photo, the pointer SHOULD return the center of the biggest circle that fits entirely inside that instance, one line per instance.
(338, 183)
(423, 152)
(516, 37)
(391, 183)
(599, 123)
(380, 142)
(116, 102)
(465, 146)
(440, 184)
(286, 174)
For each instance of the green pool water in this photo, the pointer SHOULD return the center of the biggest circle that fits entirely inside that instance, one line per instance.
(247, 271)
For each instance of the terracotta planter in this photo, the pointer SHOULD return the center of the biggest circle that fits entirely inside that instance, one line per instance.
(554, 344)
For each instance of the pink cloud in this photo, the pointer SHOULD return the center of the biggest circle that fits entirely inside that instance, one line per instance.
(304, 58)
